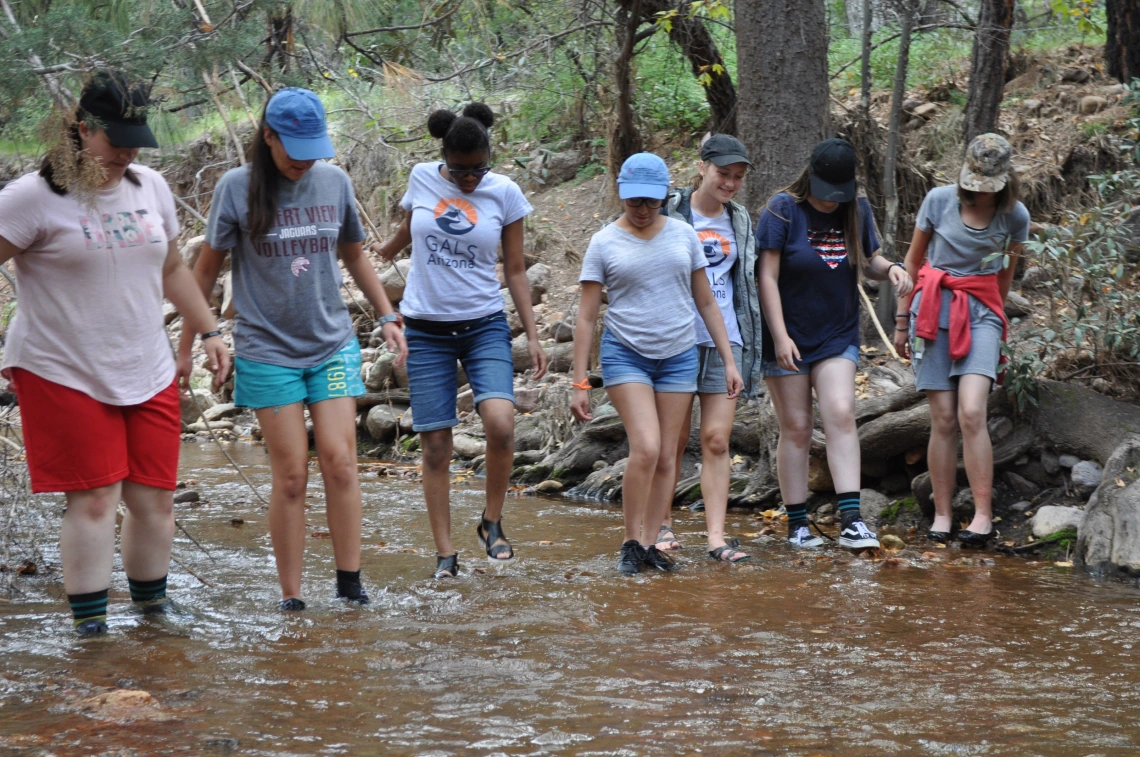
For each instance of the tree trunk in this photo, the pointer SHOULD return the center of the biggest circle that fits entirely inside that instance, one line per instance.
(783, 96)
(691, 35)
(1122, 45)
(280, 39)
(865, 69)
(987, 67)
(625, 139)
(894, 126)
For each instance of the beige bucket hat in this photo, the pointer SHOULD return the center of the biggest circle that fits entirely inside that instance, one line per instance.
(987, 164)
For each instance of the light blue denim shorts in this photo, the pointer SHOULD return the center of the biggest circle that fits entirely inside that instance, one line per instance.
(772, 369)
(622, 365)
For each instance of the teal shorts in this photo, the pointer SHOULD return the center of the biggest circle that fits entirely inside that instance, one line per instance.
(258, 385)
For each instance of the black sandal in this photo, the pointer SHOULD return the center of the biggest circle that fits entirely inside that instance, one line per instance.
(446, 567)
(493, 533)
(726, 552)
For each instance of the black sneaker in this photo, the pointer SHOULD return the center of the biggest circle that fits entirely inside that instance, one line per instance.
(91, 628)
(658, 560)
(292, 604)
(856, 535)
(801, 537)
(354, 594)
(632, 556)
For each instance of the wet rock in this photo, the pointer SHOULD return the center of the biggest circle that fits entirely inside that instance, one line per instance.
(1086, 476)
(1021, 507)
(530, 457)
(1050, 519)
(890, 541)
(1034, 277)
(406, 421)
(469, 447)
(190, 412)
(382, 422)
(1091, 104)
(1075, 75)
(201, 426)
(548, 486)
(1068, 461)
(1050, 462)
(1017, 306)
(872, 505)
(185, 497)
(122, 705)
(226, 410)
(604, 485)
(561, 332)
(923, 491)
(819, 475)
(380, 374)
(221, 745)
(1109, 539)
(395, 278)
(1023, 486)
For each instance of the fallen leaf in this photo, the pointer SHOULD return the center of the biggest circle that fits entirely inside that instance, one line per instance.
(819, 630)
(545, 543)
(320, 534)
(1064, 563)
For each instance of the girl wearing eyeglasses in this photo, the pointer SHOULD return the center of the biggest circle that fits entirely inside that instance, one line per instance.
(458, 214)
(651, 265)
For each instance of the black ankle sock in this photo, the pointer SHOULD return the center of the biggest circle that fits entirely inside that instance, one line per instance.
(848, 504)
(144, 591)
(348, 583)
(90, 606)
(797, 515)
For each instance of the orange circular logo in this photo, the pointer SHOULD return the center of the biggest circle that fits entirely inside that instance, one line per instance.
(456, 216)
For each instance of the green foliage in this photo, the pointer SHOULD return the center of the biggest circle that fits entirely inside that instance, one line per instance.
(892, 511)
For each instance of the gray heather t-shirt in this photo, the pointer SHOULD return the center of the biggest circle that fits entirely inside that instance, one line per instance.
(649, 284)
(960, 250)
(287, 284)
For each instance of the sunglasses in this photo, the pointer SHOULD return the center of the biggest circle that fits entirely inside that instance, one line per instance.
(637, 202)
(459, 173)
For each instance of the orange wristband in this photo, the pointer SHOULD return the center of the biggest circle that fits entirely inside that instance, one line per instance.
(585, 385)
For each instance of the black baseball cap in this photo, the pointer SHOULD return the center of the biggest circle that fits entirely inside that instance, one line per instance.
(833, 171)
(120, 107)
(724, 150)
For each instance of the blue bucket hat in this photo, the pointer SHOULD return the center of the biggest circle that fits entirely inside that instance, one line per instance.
(643, 175)
(299, 120)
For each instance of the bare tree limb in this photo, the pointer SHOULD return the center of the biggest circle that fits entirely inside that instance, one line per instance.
(896, 35)
(962, 11)
(425, 24)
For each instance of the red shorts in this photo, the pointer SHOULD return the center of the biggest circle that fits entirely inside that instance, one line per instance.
(75, 442)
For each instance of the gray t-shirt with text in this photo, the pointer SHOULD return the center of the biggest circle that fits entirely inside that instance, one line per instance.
(649, 283)
(286, 285)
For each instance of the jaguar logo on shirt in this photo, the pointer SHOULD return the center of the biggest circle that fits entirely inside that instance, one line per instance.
(456, 216)
(299, 266)
(716, 247)
(829, 245)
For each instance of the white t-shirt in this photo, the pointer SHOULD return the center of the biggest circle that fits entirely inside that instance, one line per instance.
(719, 243)
(89, 286)
(455, 242)
(650, 286)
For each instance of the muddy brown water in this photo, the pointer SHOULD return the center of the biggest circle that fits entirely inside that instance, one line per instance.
(558, 655)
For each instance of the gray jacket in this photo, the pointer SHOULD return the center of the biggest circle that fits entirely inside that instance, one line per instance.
(745, 297)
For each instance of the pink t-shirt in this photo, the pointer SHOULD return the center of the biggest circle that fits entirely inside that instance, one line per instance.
(89, 286)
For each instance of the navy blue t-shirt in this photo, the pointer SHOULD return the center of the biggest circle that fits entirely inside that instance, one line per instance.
(817, 283)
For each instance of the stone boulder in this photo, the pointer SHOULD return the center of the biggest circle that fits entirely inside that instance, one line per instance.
(380, 374)
(1109, 540)
(537, 276)
(191, 250)
(217, 412)
(872, 506)
(190, 412)
(383, 422)
(395, 278)
(1050, 519)
(1086, 477)
(561, 331)
(604, 484)
(467, 446)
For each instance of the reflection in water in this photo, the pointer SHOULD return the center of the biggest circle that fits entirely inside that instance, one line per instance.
(789, 654)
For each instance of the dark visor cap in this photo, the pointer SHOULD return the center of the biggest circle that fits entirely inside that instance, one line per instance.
(724, 150)
(833, 171)
(120, 107)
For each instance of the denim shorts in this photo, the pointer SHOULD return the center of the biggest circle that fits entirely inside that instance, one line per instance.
(772, 369)
(710, 374)
(259, 385)
(621, 365)
(435, 348)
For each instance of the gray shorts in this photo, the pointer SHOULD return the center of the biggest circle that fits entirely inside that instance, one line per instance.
(936, 371)
(710, 374)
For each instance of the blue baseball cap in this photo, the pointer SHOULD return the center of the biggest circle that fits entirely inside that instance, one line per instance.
(299, 120)
(643, 175)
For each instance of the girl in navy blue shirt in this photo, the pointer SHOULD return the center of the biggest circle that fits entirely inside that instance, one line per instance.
(814, 237)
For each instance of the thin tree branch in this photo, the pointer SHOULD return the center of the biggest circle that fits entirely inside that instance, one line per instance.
(523, 51)
(965, 14)
(425, 24)
(896, 35)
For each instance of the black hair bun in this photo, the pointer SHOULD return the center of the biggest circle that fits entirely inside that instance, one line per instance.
(440, 121)
(481, 112)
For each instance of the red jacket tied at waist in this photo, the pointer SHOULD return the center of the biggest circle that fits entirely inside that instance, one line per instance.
(931, 282)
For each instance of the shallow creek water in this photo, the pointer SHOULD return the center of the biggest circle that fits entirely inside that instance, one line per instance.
(557, 654)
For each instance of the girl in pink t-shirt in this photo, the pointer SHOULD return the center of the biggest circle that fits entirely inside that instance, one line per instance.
(87, 353)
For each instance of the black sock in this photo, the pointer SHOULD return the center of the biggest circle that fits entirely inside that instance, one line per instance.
(848, 505)
(90, 606)
(348, 583)
(144, 591)
(797, 515)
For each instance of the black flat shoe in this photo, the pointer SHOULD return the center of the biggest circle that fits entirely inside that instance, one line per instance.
(446, 567)
(971, 539)
(941, 537)
(493, 540)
